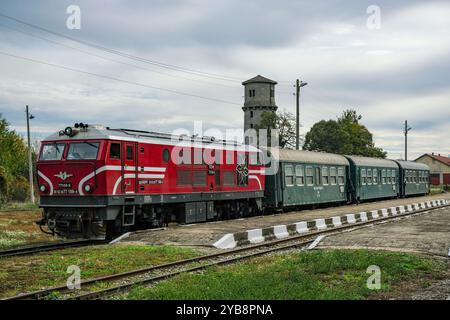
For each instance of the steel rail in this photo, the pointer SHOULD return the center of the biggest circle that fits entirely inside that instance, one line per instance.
(28, 250)
(272, 246)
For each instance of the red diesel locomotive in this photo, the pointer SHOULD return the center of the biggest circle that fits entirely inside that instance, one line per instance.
(96, 182)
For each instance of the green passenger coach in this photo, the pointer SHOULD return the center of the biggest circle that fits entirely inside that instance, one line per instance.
(305, 178)
(373, 178)
(414, 178)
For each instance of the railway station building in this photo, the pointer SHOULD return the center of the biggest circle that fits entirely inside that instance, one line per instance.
(439, 168)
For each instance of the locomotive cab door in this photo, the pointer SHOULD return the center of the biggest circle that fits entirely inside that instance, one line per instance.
(129, 168)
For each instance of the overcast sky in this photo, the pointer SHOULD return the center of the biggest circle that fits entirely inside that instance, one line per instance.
(398, 71)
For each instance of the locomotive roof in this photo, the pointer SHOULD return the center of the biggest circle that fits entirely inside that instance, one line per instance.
(98, 132)
(373, 162)
(411, 165)
(310, 157)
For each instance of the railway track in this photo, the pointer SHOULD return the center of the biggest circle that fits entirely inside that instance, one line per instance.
(118, 283)
(28, 250)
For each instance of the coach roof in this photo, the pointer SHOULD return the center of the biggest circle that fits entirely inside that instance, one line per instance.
(410, 165)
(309, 157)
(372, 162)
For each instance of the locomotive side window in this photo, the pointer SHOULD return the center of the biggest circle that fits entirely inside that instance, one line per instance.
(166, 155)
(52, 151)
(130, 153)
(83, 151)
(114, 151)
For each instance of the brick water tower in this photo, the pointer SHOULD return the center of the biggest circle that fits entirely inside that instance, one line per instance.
(259, 97)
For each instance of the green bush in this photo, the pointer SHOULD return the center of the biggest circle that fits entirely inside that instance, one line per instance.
(19, 189)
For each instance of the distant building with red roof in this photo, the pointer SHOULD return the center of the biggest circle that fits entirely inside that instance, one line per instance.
(439, 167)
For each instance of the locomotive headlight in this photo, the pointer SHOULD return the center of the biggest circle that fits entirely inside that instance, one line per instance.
(88, 187)
(43, 188)
(68, 131)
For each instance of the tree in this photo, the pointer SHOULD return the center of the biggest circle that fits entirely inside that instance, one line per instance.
(13, 162)
(343, 136)
(284, 122)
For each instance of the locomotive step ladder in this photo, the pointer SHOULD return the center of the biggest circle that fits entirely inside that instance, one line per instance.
(128, 215)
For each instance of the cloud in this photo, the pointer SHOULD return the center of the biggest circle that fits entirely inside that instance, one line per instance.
(399, 71)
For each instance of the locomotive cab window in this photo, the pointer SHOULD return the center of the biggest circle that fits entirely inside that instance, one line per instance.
(83, 151)
(52, 151)
(114, 151)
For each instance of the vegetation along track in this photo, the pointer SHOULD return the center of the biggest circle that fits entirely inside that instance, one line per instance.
(21, 251)
(122, 282)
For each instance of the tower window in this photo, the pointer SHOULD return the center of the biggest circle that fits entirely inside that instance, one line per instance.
(251, 93)
(251, 114)
(251, 125)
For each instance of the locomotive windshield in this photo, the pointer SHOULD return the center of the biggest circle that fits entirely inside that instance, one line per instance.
(52, 151)
(83, 151)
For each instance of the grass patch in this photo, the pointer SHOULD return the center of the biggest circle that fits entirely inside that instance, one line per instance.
(319, 274)
(23, 274)
(19, 206)
(18, 228)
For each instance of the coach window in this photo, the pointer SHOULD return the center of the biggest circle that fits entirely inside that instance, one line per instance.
(383, 176)
(318, 177)
(166, 155)
(394, 176)
(309, 176)
(325, 176)
(369, 176)
(363, 176)
(375, 176)
(333, 179)
(289, 175)
(299, 176)
(114, 151)
(341, 176)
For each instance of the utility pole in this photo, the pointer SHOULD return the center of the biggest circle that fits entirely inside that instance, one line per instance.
(298, 85)
(406, 130)
(30, 161)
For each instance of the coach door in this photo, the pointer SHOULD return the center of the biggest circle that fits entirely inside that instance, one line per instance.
(129, 168)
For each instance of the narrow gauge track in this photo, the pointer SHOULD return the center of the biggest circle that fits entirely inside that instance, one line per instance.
(28, 250)
(122, 282)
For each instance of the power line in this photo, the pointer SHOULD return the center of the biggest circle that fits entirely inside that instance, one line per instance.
(113, 60)
(126, 55)
(117, 79)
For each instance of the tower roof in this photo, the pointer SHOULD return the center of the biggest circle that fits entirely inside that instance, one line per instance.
(259, 79)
